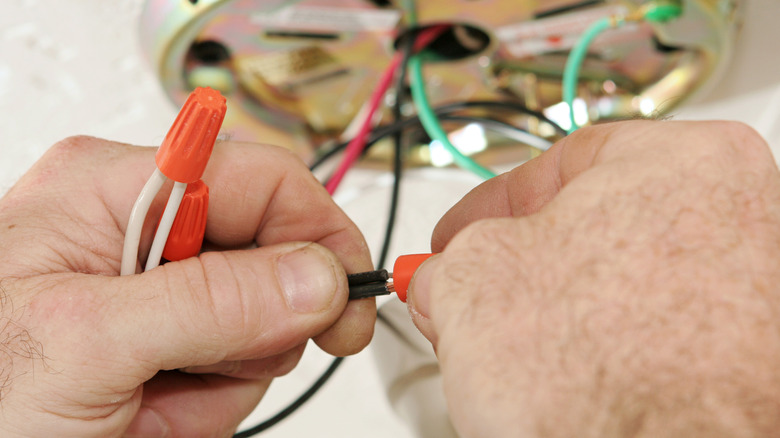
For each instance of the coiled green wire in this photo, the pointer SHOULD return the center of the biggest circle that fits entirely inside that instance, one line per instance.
(659, 11)
(431, 124)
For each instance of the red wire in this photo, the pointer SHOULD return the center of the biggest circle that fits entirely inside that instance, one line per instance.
(358, 143)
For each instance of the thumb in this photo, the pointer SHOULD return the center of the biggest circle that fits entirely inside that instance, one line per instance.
(231, 305)
(419, 297)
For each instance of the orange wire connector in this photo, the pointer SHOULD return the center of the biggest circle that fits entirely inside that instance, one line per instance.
(376, 283)
(186, 149)
(186, 236)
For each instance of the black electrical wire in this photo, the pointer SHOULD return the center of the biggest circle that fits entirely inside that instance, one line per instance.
(368, 284)
(383, 131)
(398, 139)
(292, 407)
(501, 104)
(505, 129)
(442, 112)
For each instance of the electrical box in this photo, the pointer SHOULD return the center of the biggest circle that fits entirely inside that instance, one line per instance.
(297, 72)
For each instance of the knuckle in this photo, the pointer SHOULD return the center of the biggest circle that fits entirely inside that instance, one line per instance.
(72, 147)
(225, 313)
(739, 131)
(747, 142)
(735, 140)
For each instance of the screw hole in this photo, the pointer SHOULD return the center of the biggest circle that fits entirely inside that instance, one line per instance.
(457, 42)
(209, 52)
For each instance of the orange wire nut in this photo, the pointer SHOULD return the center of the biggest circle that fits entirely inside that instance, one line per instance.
(403, 271)
(186, 149)
(189, 227)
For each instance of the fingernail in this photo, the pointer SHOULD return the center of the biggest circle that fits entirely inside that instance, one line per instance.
(147, 423)
(308, 279)
(420, 287)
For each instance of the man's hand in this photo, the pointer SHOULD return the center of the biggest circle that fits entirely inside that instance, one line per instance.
(186, 349)
(625, 283)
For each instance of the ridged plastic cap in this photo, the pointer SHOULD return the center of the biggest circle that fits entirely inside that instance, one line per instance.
(189, 226)
(403, 271)
(186, 149)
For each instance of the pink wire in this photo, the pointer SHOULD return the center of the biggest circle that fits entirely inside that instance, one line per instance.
(358, 143)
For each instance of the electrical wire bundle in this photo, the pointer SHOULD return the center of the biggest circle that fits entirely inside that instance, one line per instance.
(409, 56)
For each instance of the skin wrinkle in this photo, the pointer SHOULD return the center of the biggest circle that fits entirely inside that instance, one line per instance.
(78, 261)
(246, 320)
(267, 222)
(25, 259)
(82, 234)
(96, 237)
(206, 262)
(267, 204)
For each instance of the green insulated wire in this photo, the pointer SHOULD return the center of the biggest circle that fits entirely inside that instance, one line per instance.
(659, 11)
(428, 118)
(663, 11)
(571, 73)
(411, 12)
(431, 123)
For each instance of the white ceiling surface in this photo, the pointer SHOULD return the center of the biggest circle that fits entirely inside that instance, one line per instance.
(74, 68)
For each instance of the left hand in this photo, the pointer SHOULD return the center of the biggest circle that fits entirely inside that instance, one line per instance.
(85, 353)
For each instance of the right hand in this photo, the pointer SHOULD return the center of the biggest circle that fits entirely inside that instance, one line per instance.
(624, 283)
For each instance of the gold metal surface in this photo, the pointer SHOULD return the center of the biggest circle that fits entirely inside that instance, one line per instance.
(297, 72)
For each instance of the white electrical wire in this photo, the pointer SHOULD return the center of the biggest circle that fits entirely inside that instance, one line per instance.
(353, 127)
(136, 223)
(166, 222)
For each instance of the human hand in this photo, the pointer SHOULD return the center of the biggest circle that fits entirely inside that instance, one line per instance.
(624, 283)
(85, 353)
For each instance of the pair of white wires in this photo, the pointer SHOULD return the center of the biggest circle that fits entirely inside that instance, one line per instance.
(182, 158)
(138, 216)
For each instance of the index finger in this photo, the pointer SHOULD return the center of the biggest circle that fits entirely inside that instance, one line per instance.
(528, 188)
(257, 194)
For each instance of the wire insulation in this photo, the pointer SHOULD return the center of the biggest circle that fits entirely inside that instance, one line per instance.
(431, 124)
(507, 130)
(136, 222)
(384, 131)
(284, 413)
(357, 144)
(407, 48)
(502, 105)
(164, 228)
(571, 72)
